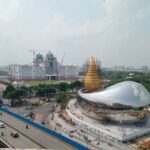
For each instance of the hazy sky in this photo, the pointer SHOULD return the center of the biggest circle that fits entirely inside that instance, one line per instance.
(115, 31)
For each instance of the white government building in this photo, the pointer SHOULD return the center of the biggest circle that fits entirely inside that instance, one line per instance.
(40, 70)
(69, 72)
(26, 72)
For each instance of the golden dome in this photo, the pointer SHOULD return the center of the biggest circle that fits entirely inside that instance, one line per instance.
(92, 80)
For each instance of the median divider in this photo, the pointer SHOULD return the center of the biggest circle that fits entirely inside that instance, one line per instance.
(45, 129)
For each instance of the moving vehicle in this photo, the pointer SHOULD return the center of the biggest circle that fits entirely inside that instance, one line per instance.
(14, 134)
(2, 125)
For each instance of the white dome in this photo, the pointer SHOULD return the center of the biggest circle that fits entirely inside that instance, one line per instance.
(127, 93)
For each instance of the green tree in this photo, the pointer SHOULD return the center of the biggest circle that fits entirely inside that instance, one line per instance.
(63, 87)
(45, 91)
(75, 84)
(8, 90)
(62, 99)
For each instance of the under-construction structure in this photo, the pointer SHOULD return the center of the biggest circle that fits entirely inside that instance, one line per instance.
(43, 68)
(51, 66)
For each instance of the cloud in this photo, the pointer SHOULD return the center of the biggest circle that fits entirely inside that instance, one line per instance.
(122, 28)
(10, 12)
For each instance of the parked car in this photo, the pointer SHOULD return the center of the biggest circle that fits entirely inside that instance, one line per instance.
(14, 134)
(2, 125)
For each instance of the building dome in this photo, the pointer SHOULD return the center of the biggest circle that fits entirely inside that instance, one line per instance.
(92, 80)
(49, 55)
(126, 93)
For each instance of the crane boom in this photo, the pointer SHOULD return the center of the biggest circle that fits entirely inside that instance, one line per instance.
(60, 66)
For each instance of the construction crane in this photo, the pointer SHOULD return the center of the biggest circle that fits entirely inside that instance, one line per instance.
(60, 66)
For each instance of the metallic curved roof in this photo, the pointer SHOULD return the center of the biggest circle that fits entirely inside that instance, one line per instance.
(125, 93)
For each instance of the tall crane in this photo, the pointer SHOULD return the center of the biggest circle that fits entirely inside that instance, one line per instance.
(60, 66)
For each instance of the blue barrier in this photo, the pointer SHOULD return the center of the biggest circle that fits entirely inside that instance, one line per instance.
(45, 129)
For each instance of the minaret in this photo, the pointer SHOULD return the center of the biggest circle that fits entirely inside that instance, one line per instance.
(92, 80)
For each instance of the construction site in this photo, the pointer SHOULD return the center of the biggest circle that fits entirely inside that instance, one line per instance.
(43, 68)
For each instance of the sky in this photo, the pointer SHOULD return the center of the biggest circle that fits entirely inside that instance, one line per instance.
(115, 31)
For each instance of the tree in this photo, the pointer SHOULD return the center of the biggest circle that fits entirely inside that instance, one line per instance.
(14, 94)
(8, 90)
(62, 99)
(45, 90)
(76, 84)
(63, 87)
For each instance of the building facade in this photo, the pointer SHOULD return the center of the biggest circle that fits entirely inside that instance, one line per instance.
(51, 64)
(26, 72)
(68, 72)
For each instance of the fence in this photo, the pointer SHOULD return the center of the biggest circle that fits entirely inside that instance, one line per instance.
(45, 129)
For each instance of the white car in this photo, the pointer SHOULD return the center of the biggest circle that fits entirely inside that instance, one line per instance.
(2, 125)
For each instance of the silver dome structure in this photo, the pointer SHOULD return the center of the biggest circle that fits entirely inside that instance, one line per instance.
(126, 93)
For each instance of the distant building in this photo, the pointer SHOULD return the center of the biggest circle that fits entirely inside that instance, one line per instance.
(122, 68)
(51, 64)
(41, 69)
(20, 72)
(144, 69)
(119, 68)
(85, 66)
(38, 72)
(38, 60)
(69, 72)
(26, 72)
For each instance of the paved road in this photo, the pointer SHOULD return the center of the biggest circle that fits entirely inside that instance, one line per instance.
(41, 111)
(21, 142)
(37, 135)
(44, 109)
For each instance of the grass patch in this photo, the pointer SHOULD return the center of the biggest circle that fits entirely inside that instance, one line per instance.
(36, 83)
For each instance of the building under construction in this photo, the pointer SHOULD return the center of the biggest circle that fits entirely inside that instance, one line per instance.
(43, 68)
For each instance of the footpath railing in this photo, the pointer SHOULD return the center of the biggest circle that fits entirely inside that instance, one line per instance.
(45, 129)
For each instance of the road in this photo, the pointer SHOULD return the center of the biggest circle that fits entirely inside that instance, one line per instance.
(41, 112)
(35, 134)
(44, 109)
(21, 142)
